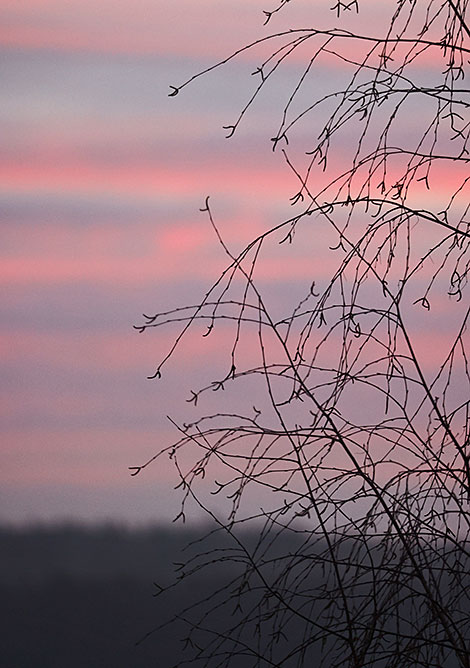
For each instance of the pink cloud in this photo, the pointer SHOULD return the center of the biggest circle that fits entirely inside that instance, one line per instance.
(152, 28)
(103, 270)
(67, 170)
(110, 352)
(123, 27)
(83, 175)
(81, 456)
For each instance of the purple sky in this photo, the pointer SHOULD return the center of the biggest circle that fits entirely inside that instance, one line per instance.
(102, 176)
(102, 179)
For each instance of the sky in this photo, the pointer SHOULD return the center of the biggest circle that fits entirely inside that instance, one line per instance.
(102, 177)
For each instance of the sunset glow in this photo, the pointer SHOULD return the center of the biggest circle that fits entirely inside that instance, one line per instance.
(102, 180)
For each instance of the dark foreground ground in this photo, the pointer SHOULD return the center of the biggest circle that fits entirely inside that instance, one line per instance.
(82, 597)
(75, 597)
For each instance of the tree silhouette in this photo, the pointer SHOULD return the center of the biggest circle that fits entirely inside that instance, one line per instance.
(354, 436)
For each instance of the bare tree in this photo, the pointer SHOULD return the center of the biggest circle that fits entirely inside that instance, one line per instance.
(354, 434)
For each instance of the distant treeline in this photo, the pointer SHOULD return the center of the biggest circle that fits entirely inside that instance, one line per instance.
(81, 596)
(43, 552)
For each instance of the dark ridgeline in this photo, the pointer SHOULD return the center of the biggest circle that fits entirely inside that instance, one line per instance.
(74, 596)
(342, 404)
(80, 597)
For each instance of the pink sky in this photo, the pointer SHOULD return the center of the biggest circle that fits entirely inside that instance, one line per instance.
(102, 177)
